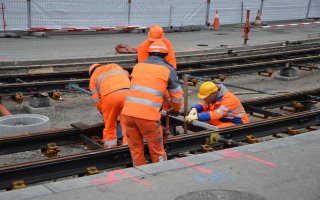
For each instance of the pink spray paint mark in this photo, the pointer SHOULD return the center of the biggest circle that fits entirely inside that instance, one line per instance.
(203, 170)
(231, 154)
(112, 178)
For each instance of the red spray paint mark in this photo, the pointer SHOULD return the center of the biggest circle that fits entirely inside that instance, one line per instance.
(203, 170)
(231, 154)
(112, 178)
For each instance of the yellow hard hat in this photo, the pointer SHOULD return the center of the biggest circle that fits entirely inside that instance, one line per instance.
(206, 89)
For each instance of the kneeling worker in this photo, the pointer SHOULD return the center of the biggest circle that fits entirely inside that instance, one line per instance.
(219, 107)
(109, 85)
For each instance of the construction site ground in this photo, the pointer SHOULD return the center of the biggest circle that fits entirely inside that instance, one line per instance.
(285, 168)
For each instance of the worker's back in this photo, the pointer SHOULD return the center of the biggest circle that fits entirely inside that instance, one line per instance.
(149, 83)
(109, 78)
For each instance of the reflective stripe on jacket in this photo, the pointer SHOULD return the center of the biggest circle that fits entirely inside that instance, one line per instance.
(227, 108)
(143, 54)
(106, 79)
(149, 83)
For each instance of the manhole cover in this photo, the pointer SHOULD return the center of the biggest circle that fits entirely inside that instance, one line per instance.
(219, 195)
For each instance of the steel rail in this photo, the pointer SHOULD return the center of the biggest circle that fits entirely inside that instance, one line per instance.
(62, 85)
(82, 74)
(32, 141)
(283, 99)
(246, 68)
(45, 170)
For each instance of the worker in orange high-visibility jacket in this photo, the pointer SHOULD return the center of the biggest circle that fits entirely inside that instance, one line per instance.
(109, 85)
(219, 107)
(150, 81)
(155, 33)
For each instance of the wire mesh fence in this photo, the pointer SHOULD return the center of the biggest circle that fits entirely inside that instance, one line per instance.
(23, 14)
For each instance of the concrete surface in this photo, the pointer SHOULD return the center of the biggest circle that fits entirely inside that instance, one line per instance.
(282, 169)
(99, 45)
(288, 169)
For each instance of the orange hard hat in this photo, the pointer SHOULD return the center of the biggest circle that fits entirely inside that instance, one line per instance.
(155, 32)
(158, 46)
(92, 68)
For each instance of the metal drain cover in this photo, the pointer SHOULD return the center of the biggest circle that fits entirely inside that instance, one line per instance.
(219, 195)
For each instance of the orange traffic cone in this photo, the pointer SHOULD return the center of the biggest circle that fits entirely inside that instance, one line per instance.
(216, 22)
(258, 19)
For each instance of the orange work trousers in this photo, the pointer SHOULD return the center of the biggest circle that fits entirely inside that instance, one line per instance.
(136, 130)
(220, 124)
(111, 108)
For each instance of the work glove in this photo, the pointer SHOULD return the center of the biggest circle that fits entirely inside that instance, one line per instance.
(193, 111)
(174, 113)
(193, 115)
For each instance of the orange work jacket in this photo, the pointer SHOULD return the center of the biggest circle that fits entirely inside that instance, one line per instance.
(144, 55)
(106, 79)
(150, 81)
(227, 108)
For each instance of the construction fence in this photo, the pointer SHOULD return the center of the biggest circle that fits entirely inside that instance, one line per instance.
(24, 14)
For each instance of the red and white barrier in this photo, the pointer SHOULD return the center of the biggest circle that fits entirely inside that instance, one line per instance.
(288, 25)
(86, 29)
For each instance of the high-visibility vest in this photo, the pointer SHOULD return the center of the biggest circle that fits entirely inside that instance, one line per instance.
(143, 54)
(149, 83)
(227, 108)
(106, 79)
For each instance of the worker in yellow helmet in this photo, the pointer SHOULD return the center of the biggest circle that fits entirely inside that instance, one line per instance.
(156, 33)
(219, 107)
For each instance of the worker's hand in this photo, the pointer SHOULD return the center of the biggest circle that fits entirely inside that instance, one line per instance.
(174, 113)
(193, 111)
(193, 115)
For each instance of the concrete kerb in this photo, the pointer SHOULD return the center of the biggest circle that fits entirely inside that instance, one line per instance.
(156, 168)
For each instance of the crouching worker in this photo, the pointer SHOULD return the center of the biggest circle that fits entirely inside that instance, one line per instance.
(109, 85)
(219, 107)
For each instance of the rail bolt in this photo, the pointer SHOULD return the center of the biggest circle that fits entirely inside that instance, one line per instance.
(297, 106)
(18, 184)
(18, 97)
(251, 139)
(51, 151)
(193, 82)
(56, 94)
(222, 77)
(206, 148)
(292, 131)
(92, 171)
(267, 73)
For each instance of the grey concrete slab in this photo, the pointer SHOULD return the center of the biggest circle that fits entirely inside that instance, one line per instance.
(203, 158)
(40, 111)
(309, 136)
(294, 176)
(101, 45)
(179, 163)
(89, 181)
(252, 148)
(26, 193)
(161, 167)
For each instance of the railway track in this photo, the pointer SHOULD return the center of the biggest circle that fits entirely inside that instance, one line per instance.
(99, 158)
(261, 62)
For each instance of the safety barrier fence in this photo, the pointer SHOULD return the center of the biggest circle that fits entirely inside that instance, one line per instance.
(103, 14)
